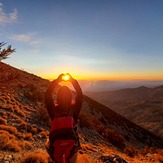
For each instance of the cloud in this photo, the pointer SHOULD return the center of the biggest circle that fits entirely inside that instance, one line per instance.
(6, 18)
(20, 37)
(28, 38)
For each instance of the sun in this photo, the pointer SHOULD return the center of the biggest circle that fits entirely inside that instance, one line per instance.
(66, 77)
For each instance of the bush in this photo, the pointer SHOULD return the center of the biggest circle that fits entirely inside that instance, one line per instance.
(114, 138)
(151, 150)
(33, 130)
(8, 107)
(131, 151)
(42, 115)
(8, 143)
(29, 137)
(27, 145)
(10, 136)
(43, 135)
(22, 126)
(10, 129)
(36, 157)
(3, 121)
(18, 111)
(84, 120)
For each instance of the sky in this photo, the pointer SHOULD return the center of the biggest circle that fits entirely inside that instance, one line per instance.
(90, 39)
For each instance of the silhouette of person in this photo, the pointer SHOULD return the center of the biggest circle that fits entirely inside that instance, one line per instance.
(64, 106)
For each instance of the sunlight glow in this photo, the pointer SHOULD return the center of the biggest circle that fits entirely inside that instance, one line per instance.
(66, 77)
(111, 76)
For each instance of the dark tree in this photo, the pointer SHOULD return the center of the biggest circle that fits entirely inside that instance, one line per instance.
(4, 53)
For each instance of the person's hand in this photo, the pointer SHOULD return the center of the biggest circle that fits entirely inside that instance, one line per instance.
(70, 77)
(60, 77)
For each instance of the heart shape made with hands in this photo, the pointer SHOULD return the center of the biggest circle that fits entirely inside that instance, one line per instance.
(66, 77)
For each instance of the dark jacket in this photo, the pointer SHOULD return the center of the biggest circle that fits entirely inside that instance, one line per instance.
(53, 110)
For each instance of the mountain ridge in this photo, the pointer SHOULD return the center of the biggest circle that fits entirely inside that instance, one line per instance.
(137, 105)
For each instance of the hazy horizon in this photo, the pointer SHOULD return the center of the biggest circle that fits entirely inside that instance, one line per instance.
(113, 85)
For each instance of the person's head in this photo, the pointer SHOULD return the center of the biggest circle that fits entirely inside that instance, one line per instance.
(64, 97)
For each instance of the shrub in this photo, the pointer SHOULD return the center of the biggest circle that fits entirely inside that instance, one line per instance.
(43, 116)
(20, 136)
(3, 140)
(13, 145)
(43, 134)
(22, 126)
(37, 157)
(114, 138)
(8, 107)
(8, 143)
(18, 120)
(28, 136)
(33, 130)
(3, 114)
(3, 121)
(27, 145)
(10, 136)
(151, 150)
(131, 151)
(34, 94)
(100, 129)
(18, 111)
(41, 129)
(84, 120)
(160, 155)
(10, 129)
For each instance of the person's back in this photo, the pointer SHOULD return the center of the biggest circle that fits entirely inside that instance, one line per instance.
(63, 136)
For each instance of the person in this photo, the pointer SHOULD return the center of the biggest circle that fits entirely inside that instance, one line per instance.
(64, 116)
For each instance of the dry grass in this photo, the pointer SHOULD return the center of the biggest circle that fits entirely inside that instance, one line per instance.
(22, 126)
(3, 114)
(37, 157)
(84, 158)
(84, 120)
(3, 121)
(7, 142)
(8, 107)
(43, 135)
(27, 145)
(28, 136)
(42, 115)
(114, 138)
(18, 111)
(131, 151)
(111, 135)
(10, 129)
(34, 130)
(10, 136)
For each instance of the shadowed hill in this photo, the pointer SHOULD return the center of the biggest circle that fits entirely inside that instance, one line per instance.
(142, 105)
(24, 125)
(130, 131)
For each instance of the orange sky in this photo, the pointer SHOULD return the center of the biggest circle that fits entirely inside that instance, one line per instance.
(111, 76)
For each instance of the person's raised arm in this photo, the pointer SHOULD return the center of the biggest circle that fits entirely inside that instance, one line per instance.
(48, 95)
(79, 94)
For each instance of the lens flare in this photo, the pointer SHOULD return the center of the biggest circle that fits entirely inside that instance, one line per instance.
(66, 77)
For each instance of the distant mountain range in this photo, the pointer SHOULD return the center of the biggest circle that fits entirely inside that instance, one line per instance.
(142, 105)
(112, 85)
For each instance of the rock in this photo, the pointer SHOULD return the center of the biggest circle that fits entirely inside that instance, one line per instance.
(7, 159)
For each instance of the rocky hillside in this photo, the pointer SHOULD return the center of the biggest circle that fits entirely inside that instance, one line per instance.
(104, 135)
